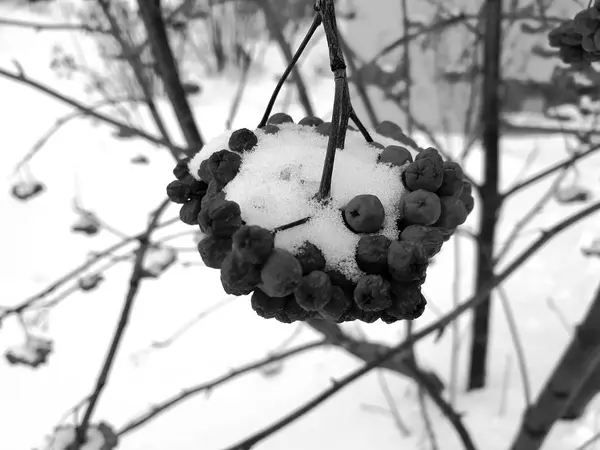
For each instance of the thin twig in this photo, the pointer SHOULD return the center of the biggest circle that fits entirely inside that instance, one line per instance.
(392, 406)
(37, 26)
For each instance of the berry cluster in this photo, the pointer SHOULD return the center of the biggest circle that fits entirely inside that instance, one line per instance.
(297, 285)
(578, 39)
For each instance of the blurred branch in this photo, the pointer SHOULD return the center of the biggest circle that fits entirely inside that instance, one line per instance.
(51, 26)
(134, 285)
(156, 410)
(84, 109)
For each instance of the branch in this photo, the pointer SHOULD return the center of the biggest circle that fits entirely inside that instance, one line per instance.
(150, 10)
(134, 284)
(405, 346)
(22, 78)
(51, 26)
(208, 386)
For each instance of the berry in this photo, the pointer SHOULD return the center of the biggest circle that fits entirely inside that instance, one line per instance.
(222, 218)
(204, 172)
(281, 274)
(452, 183)
(292, 312)
(420, 207)
(279, 118)
(466, 197)
(453, 213)
(310, 258)
(265, 306)
(371, 254)
(181, 169)
(339, 279)
(311, 121)
(324, 129)
(423, 173)
(395, 155)
(178, 191)
(213, 192)
(372, 293)
(237, 276)
(224, 166)
(314, 291)
(364, 214)
(214, 250)
(407, 301)
(270, 129)
(188, 213)
(429, 237)
(432, 154)
(393, 131)
(407, 261)
(339, 304)
(355, 313)
(253, 244)
(242, 140)
(387, 318)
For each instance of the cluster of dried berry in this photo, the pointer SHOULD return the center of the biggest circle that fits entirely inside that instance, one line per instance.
(578, 39)
(297, 286)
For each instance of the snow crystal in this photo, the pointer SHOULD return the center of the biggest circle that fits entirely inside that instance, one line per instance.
(280, 176)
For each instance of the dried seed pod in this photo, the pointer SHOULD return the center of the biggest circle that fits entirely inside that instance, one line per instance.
(364, 214)
(423, 174)
(188, 213)
(281, 274)
(452, 183)
(181, 169)
(324, 129)
(314, 291)
(407, 261)
(279, 118)
(338, 305)
(408, 302)
(395, 156)
(254, 244)
(311, 121)
(372, 252)
(310, 258)
(265, 306)
(429, 237)
(224, 166)
(222, 218)
(420, 207)
(453, 213)
(214, 250)
(242, 140)
(372, 293)
(237, 276)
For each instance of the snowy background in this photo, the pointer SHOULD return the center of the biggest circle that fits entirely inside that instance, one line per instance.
(84, 160)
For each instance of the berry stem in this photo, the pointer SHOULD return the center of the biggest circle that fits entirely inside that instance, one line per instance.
(342, 108)
(361, 127)
(315, 24)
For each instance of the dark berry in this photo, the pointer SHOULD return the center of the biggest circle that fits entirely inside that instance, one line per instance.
(181, 169)
(395, 155)
(311, 121)
(453, 213)
(423, 173)
(371, 253)
(178, 191)
(324, 129)
(432, 154)
(224, 166)
(237, 276)
(204, 172)
(393, 131)
(420, 207)
(270, 129)
(222, 218)
(281, 274)
(429, 237)
(279, 118)
(466, 197)
(407, 261)
(214, 250)
(253, 244)
(338, 305)
(339, 279)
(355, 313)
(188, 213)
(213, 193)
(314, 291)
(310, 258)
(364, 214)
(372, 293)
(265, 306)
(242, 140)
(408, 302)
(452, 183)
(292, 312)
(387, 318)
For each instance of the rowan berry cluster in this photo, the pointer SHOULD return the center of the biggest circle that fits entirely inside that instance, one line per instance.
(578, 39)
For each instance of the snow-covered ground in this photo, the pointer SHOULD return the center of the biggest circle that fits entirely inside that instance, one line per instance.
(84, 160)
